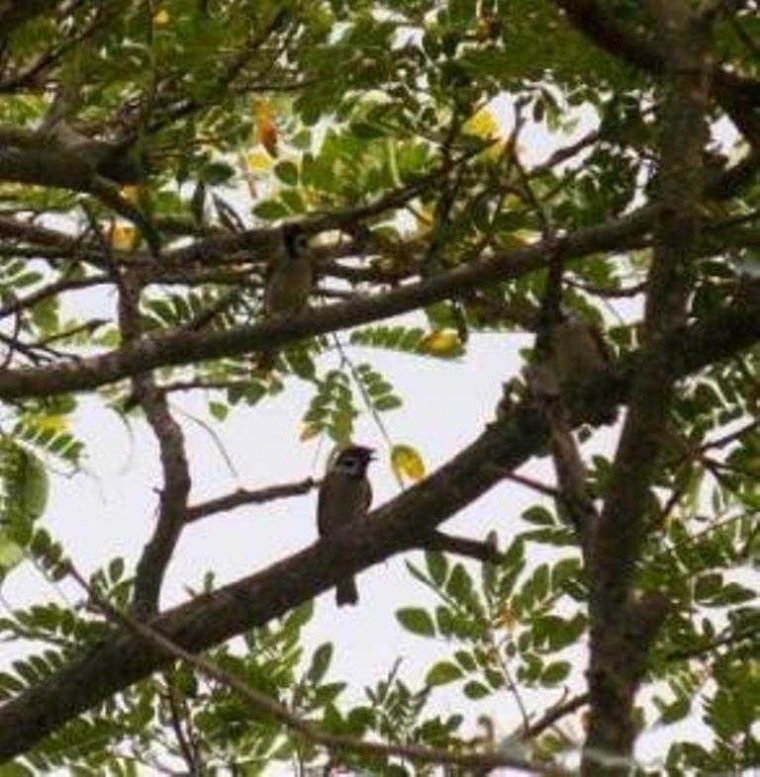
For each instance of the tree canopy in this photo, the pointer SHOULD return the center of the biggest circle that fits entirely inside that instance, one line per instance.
(461, 169)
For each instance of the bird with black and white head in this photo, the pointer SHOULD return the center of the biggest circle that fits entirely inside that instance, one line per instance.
(344, 498)
(289, 281)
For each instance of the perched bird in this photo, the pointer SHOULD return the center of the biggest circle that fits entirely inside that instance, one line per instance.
(580, 359)
(289, 280)
(578, 352)
(344, 497)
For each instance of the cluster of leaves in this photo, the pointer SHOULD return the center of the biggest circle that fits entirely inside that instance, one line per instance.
(504, 628)
(23, 497)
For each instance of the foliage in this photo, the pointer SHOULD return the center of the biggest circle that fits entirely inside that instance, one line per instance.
(413, 140)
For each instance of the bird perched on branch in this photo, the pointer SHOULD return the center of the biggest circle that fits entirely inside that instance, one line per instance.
(570, 351)
(289, 281)
(344, 497)
(579, 354)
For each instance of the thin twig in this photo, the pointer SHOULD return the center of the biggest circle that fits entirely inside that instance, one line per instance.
(244, 496)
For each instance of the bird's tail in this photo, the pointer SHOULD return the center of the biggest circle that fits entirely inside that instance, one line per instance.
(346, 593)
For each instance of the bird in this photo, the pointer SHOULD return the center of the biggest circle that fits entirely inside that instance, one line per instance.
(344, 497)
(580, 359)
(289, 281)
(578, 351)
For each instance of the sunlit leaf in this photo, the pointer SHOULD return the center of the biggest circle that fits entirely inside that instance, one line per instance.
(442, 342)
(442, 673)
(407, 462)
(123, 236)
(416, 620)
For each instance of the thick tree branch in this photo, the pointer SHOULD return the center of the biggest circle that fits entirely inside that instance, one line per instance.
(622, 628)
(486, 552)
(152, 565)
(183, 347)
(172, 511)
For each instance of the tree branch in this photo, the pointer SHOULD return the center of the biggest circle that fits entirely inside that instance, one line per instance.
(622, 628)
(182, 347)
(244, 496)
(486, 552)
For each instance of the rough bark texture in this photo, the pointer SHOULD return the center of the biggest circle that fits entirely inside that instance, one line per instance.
(620, 639)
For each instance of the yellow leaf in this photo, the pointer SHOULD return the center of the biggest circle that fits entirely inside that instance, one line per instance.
(53, 423)
(406, 462)
(308, 432)
(482, 124)
(264, 110)
(441, 342)
(123, 237)
(161, 18)
(258, 161)
(131, 194)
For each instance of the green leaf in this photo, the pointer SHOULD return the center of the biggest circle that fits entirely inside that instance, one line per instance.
(460, 584)
(11, 554)
(287, 172)
(677, 710)
(386, 403)
(320, 662)
(116, 569)
(219, 410)
(437, 566)
(555, 673)
(442, 673)
(299, 617)
(476, 690)
(416, 620)
(539, 516)
(707, 585)
(270, 210)
(216, 173)
(367, 131)
(466, 661)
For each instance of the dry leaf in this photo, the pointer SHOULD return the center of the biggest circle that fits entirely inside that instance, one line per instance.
(123, 237)
(441, 342)
(407, 462)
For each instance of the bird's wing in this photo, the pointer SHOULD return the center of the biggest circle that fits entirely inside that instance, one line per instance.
(367, 497)
(326, 504)
(603, 347)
